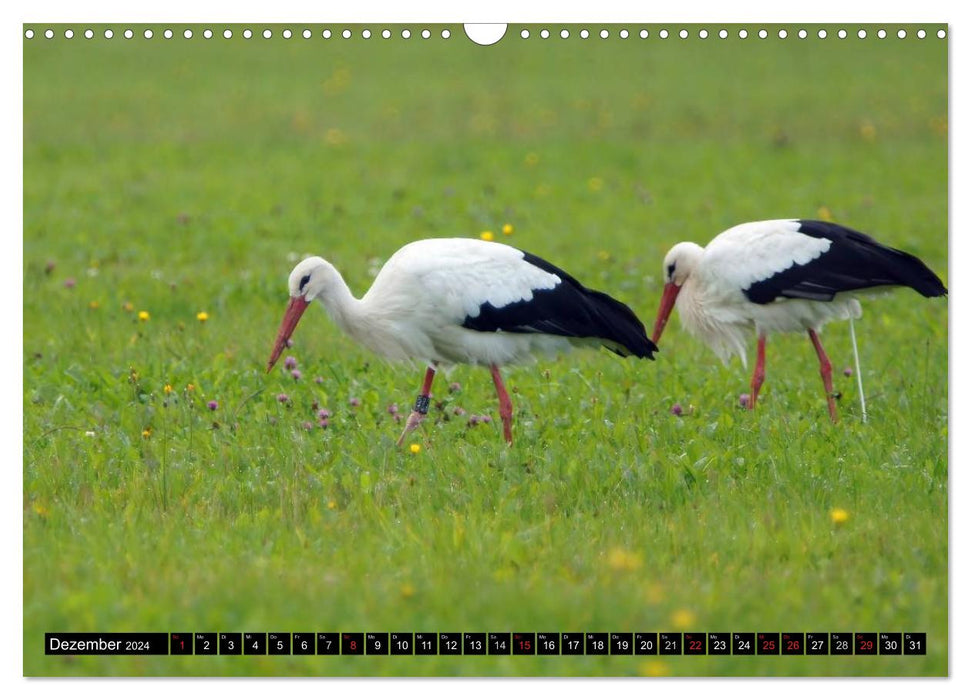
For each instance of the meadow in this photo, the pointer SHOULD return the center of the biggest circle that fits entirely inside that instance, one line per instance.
(170, 484)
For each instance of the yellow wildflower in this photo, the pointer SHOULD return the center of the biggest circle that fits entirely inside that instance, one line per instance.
(487, 236)
(507, 229)
(190, 387)
(94, 304)
(167, 388)
(331, 505)
(824, 213)
(415, 448)
(147, 433)
(334, 137)
(838, 516)
(653, 668)
(407, 590)
(622, 560)
(682, 618)
(202, 317)
(143, 316)
(128, 306)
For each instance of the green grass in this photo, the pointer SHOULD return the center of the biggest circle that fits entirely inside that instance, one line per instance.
(183, 176)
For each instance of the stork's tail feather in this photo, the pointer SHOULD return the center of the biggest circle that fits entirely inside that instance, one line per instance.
(912, 272)
(622, 331)
(861, 262)
(570, 310)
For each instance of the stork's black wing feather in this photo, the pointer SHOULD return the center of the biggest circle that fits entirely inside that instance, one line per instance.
(854, 261)
(568, 309)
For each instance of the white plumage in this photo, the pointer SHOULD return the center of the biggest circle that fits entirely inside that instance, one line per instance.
(425, 291)
(457, 300)
(779, 276)
(712, 301)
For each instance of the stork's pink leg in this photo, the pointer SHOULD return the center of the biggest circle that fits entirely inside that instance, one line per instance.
(505, 405)
(826, 371)
(421, 405)
(758, 375)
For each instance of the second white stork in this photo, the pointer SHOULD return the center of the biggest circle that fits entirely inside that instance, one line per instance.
(467, 301)
(780, 276)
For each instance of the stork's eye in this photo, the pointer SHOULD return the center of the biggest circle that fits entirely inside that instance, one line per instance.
(671, 270)
(303, 281)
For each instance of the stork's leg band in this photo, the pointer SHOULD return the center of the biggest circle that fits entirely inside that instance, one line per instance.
(421, 404)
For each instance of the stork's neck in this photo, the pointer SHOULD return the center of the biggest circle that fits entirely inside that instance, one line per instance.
(341, 304)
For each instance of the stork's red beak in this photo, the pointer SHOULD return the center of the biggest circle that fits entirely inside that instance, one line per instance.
(290, 319)
(668, 298)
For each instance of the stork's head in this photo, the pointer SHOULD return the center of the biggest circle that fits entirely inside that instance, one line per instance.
(679, 263)
(310, 277)
(308, 280)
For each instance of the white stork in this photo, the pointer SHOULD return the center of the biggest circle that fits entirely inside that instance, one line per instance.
(782, 275)
(459, 300)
